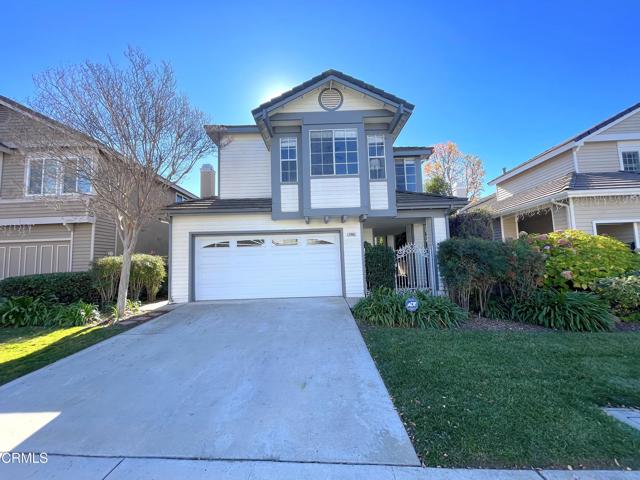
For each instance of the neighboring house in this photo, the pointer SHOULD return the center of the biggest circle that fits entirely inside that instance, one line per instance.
(590, 182)
(45, 225)
(300, 192)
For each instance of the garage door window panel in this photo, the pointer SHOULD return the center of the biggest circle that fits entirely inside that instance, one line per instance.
(285, 242)
(251, 243)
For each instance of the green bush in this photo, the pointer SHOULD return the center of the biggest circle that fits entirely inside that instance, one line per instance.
(385, 307)
(564, 310)
(622, 294)
(471, 266)
(106, 274)
(525, 269)
(147, 272)
(380, 266)
(66, 287)
(577, 259)
(475, 224)
(39, 312)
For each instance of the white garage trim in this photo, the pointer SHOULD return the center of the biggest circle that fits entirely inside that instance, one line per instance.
(235, 233)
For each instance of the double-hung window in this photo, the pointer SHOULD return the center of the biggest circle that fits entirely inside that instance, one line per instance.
(43, 177)
(289, 160)
(334, 152)
(631, 160)
(375, 145)
(47, 176)
(406, 178)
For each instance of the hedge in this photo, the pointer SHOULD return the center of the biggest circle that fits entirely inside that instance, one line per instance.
(380, 266)
(66, 288)
(476, 224)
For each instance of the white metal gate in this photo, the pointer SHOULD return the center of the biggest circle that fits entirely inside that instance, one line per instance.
(412, 268)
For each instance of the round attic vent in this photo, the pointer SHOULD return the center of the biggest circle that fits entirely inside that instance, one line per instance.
(330, 99)
(4, 113)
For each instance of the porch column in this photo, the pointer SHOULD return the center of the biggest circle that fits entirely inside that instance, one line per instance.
(422, 273)
(367, 233)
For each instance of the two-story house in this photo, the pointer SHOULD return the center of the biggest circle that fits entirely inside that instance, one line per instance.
(300, 192)
(46, 224)
(590, 182)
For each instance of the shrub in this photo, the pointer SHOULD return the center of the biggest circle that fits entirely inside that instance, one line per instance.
(471, 266)
(380, 266)
(38, 312)
(564, 310)
(148, 272)
(66, 287)
(476, 224)
(577, 259)
(106, 274)
(525, 269)
(385, 307)
(622, 294)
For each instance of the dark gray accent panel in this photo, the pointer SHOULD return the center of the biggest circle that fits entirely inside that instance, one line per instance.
(328, 117)
(276, 208)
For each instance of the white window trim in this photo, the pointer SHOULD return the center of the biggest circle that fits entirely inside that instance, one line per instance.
(404, 162)
(333, 133)
(627, 147)
(295, 140)
(384, 158)
(633, 221)
(59, 179)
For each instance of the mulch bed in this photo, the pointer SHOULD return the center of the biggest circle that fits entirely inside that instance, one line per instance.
(489, 325)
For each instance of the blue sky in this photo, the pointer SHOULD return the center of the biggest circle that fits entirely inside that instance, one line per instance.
(503, 79)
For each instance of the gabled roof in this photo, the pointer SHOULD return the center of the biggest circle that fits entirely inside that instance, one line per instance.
(559, 188)
(23, 109)
(328, 75)
(567, 144)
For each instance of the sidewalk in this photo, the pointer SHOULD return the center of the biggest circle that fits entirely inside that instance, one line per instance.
(110, 468)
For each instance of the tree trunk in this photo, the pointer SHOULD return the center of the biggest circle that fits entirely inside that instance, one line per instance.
(123, 287)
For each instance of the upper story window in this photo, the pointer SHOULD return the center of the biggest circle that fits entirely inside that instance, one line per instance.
(180, 198)
(375, 145)
(406, 178)
(334, 152)
(631, 160)
(47, 176)
(289, 160)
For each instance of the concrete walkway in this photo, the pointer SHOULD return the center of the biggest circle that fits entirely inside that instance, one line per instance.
(85, 468)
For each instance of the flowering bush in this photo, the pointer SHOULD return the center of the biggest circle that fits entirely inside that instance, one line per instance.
(576, 259)
(622, 294)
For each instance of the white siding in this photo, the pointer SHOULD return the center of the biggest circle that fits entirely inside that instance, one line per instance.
(352, 100)
(289, 198)
(245, 168)
(629, 125)
(335, 192)
(621, 208)
(509, 227)
(598, 157)
(546, 171)
(379, 195)
(182, 225)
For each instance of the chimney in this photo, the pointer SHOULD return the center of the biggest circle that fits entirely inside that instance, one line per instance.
(207, 181)
(504, 170)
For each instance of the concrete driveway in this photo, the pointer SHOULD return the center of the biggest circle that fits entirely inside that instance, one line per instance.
(282, 380)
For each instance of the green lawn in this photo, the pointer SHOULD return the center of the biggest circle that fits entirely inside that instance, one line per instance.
(23, 350)
(512, 399)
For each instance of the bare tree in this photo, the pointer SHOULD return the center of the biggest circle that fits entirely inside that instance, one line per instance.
(133, 136)
(456, 169)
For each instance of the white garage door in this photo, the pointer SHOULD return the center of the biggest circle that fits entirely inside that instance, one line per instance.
(267, 266)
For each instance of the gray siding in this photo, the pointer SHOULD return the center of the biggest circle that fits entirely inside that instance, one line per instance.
(104, 242)
(586, 210)
(598, 157)
(560, 218)
(81, 248)
(630, 125)
(549, 170)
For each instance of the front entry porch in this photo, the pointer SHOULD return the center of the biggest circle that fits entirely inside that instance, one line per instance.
(414, 241)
